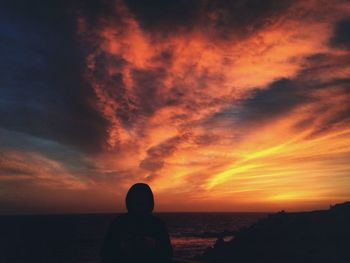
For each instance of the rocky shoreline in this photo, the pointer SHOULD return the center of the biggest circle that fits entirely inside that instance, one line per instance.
(317, 236)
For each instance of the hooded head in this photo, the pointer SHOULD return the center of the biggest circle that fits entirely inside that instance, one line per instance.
(139, 199)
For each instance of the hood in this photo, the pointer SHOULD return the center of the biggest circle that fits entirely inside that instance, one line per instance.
(139, 199)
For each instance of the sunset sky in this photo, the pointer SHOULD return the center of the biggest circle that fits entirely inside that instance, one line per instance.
(218, 105)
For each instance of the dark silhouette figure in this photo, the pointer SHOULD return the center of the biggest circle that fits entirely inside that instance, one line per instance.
(138, 235)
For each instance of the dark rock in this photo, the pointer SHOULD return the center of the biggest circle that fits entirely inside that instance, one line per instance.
(317, 236)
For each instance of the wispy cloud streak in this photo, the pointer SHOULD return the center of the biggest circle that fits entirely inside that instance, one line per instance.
(244, 105)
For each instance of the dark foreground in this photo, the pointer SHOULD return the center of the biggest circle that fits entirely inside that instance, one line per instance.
(78, 238)
(308, 237)
(319, 236)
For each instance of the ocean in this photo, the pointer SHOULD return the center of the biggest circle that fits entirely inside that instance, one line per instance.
(78, 238)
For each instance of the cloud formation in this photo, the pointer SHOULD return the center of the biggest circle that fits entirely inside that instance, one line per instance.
(238, 105)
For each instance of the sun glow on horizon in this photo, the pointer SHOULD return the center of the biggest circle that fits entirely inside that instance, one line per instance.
(215, 111)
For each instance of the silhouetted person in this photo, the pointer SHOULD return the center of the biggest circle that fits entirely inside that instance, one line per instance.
(137, 236)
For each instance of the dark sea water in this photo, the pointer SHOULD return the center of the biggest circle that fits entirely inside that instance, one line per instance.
(78, 238)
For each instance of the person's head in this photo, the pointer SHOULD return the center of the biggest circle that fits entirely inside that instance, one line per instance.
(139, 199)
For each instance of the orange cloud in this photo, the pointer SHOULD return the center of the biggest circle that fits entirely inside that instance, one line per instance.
(217, 110)
(155, 89)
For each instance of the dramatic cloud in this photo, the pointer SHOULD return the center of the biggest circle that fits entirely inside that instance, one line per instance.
(341, 36)
(43, 92)
(219, 105)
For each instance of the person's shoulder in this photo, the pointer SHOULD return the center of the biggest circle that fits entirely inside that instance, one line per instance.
(119, 219)
(157, 220)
